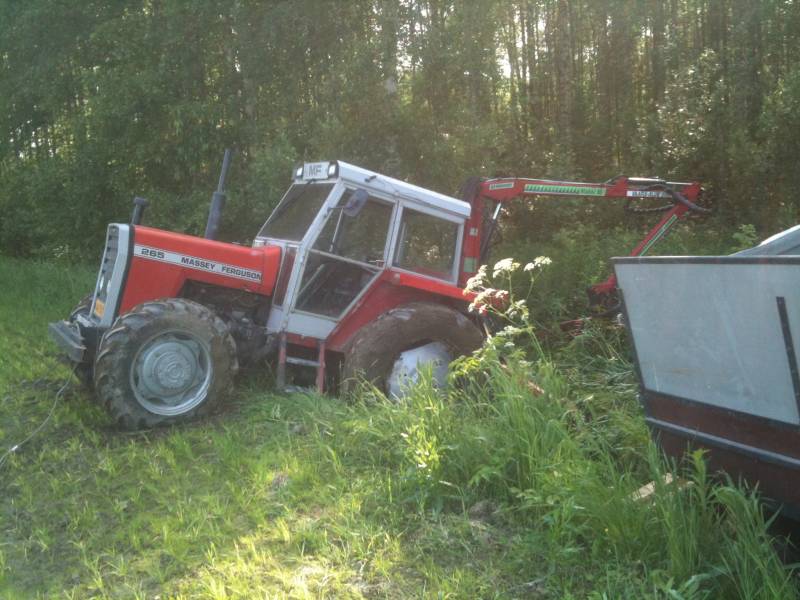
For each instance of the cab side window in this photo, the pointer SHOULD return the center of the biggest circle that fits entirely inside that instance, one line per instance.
(426, 244)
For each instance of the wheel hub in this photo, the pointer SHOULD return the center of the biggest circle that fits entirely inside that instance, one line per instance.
(171, 373)
(169, 368)
(410, 364)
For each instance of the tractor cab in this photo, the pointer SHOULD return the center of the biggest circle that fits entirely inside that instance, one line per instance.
(340, 227)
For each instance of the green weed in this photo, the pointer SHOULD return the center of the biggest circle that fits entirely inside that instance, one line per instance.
(517, 481)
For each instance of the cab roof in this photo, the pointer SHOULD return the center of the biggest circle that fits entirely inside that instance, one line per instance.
(381, 183)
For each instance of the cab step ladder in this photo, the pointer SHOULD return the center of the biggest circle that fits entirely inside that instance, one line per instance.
(284, 359)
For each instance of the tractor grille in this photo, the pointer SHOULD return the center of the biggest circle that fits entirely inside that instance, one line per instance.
(99, 306)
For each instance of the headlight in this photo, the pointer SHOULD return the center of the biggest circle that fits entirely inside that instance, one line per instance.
(333, 168)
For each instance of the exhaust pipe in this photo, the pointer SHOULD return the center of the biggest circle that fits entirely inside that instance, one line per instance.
(218, 200)
(139, 204)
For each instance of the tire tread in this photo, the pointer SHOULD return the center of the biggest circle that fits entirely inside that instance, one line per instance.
(111, 382)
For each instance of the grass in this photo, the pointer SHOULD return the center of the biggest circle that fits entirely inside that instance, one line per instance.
(493, 490)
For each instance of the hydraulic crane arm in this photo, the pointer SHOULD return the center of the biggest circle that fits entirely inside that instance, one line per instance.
(680, 199)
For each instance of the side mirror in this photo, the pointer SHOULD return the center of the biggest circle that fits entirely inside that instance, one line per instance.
(355, 203)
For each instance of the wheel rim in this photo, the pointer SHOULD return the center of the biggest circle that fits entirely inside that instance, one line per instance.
(171, 373)
(410, 364)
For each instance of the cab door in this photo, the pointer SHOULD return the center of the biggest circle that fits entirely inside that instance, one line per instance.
(346, 256)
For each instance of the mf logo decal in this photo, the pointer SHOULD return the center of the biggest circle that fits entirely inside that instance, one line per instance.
(501, 186)
(198, 264)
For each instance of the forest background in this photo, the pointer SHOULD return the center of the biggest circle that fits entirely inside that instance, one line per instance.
(497, 488)
(107, 99)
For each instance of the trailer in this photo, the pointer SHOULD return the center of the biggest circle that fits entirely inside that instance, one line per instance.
(715, 343)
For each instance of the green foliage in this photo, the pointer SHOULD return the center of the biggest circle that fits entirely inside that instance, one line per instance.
(517, 480)
(521, 477)
(745, 236)
(110, 100)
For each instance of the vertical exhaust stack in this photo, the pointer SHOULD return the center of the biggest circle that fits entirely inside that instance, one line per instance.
(218, 200)
(139, 204)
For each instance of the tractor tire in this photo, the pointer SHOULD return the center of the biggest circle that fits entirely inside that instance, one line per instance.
(83, 371)
(391, 351)
(164, 362)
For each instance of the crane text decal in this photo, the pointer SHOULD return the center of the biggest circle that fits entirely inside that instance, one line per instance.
(506, 185)
(198, 264)
(646, 194)
(570, 190)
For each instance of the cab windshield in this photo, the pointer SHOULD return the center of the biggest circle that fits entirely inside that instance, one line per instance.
(297, 210)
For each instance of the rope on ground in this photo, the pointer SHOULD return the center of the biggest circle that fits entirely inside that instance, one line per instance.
(11, 450)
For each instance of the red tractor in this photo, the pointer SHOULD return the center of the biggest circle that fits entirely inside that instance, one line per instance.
(353, 270)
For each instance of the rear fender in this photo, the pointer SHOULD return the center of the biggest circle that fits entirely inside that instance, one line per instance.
(390, 290)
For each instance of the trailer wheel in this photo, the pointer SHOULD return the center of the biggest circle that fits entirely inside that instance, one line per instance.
(164, 362)
(83, 371)
(392, 351)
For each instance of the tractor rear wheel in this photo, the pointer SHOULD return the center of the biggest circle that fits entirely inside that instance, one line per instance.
(83, 371)
(164, 362)
(392, 351)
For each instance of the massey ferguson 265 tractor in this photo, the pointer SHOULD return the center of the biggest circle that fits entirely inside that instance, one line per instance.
(354, 275)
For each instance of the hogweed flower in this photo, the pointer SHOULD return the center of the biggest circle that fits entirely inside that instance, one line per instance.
(501, 301)
(476, 282)
(538, 263)
(506, 265)
(473, 283)
(478, 307)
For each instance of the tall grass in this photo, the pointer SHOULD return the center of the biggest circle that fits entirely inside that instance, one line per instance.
(518, 480)
(558, 476)
(553, 438)
(30, 295)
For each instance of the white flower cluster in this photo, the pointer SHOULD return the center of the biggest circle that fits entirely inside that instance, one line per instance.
(505, 266)
(477, 281)
(538, 263)
(486, 297)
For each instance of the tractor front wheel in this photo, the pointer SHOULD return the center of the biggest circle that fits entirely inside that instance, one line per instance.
(164, 362)
(393, 351)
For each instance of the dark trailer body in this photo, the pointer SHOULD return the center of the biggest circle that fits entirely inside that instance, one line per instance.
(716, 345)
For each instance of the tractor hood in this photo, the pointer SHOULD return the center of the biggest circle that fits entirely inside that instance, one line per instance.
(159, 263)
